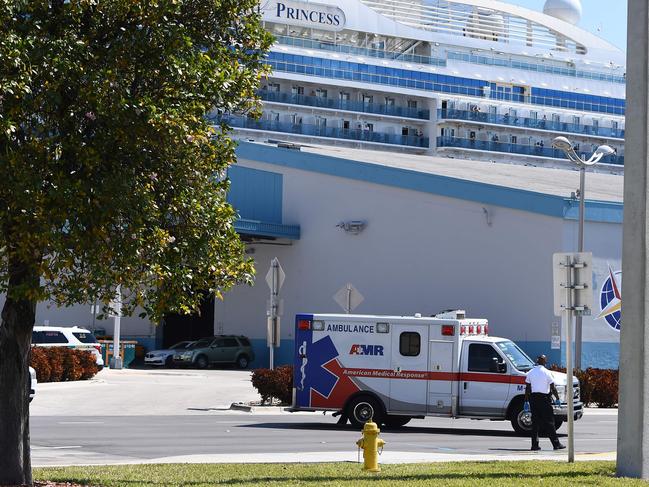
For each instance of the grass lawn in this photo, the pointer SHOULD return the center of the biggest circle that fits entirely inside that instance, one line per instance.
(492, 474)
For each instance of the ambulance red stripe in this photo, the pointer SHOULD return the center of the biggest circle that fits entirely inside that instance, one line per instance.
(424, 375)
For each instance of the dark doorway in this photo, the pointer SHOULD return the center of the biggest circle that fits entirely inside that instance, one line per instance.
(177, 327)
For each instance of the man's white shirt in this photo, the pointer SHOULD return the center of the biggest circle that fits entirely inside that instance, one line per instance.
(540, 379)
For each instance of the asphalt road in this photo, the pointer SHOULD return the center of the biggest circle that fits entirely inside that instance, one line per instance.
(233, 436)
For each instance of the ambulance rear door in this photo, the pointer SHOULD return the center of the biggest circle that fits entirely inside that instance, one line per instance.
(408, 382)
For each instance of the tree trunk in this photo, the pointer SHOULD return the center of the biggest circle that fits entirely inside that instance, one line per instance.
(18, 316)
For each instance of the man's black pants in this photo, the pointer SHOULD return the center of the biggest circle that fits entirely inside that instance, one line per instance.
(542, 418)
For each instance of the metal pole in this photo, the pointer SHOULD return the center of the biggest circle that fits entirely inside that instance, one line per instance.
(272, 355)
(569, 388)
(580, 248)
(117, 360)
(274, 291)
(349, 299)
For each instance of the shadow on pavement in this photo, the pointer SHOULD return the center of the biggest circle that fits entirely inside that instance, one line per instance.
(403, 430)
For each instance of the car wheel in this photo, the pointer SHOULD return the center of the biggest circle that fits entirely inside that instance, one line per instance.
(521, 420)
(395, 421)
(243, 362)
(169, 361)
(362, 409)
(201, 362)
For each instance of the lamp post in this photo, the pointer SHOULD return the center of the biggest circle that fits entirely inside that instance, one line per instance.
(566, 146)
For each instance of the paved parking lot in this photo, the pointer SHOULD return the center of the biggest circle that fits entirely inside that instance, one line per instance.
(144, 392)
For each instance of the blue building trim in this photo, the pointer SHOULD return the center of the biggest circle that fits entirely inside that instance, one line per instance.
(596, 211)
(517, 199)
(266, 229)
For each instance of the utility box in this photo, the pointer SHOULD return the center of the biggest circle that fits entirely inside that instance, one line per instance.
(126, 347)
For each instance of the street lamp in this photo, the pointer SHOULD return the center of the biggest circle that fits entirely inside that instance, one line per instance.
(565, 145)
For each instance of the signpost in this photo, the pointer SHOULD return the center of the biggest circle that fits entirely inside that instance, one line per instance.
(275, 279)
(116, 306)
(573, 294)
(348, 298)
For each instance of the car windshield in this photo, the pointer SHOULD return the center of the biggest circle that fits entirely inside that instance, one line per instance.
(179, 346)
(516, 356)
(200, 344)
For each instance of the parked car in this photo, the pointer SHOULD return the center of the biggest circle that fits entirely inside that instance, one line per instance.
(32, 384)
(166, 356)
(68, 336)
(221, 349)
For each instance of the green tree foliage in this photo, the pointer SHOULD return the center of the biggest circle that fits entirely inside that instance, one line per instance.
(109, 172)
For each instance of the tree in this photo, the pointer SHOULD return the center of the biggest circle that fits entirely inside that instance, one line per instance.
(109, 172)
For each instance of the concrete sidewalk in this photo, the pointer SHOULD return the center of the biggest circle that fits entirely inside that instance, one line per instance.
(78, 458)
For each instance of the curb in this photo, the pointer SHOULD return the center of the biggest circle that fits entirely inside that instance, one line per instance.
(239, 406)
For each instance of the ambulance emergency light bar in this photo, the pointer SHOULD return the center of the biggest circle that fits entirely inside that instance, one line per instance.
(447, 330)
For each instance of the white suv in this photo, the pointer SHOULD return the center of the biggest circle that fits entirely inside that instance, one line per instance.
(72, 337)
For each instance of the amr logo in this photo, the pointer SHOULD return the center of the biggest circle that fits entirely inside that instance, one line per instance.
(366, 350)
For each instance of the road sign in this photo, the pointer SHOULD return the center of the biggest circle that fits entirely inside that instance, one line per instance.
(581, 287)
(275, 276)
(556, 336)
(348, 298)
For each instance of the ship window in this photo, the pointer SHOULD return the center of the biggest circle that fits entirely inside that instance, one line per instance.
(409, 344)
(412, 103)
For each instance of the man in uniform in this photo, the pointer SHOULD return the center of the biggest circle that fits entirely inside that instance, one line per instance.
(539, 385)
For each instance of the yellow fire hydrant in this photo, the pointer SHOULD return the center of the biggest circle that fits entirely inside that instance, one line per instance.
(370, 443)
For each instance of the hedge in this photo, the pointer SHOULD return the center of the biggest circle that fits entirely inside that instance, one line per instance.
(598, 386)
(58, 364)
(277, 383)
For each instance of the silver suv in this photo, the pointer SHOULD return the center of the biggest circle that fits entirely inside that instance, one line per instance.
(222, 349)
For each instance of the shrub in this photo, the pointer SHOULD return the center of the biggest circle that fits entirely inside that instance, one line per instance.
(276, 383)
(598, 386)
(57, 364)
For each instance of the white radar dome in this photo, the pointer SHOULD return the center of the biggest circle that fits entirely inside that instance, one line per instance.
(566, 10)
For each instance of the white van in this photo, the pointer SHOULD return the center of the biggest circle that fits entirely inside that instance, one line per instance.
(395, 368)
(72, 337)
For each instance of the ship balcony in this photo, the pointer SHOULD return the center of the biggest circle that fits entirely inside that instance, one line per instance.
(530, 123)
(344, 105)
(329, 132)
(359, 51)
(528, 150)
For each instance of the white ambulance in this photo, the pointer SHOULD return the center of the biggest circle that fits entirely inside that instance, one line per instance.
(395, 368)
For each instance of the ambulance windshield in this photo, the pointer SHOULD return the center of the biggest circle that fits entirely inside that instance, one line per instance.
(516, 356)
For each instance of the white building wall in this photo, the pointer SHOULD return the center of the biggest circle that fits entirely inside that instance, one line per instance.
(419, 253)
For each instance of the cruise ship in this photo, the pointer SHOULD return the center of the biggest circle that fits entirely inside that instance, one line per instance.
(467, 79)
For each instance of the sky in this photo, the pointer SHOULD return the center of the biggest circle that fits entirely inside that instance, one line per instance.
(604, 18)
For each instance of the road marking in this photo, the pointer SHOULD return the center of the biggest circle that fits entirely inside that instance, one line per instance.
(81, 422)
(72, 447)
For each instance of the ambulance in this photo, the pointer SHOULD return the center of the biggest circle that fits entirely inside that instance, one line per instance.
(395, 368)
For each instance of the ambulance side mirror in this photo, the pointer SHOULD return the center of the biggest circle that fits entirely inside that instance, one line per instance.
(498, 365)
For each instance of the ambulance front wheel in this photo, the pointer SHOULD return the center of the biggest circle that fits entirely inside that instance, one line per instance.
(363, 408)
(521, 420)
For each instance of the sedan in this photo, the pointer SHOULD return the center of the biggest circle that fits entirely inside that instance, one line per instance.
(165, 357)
